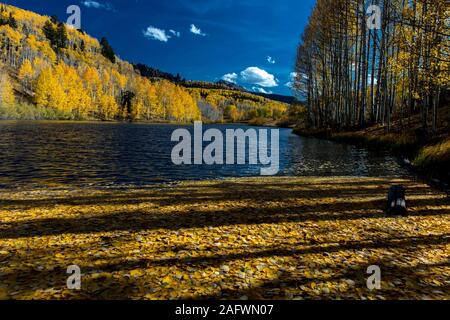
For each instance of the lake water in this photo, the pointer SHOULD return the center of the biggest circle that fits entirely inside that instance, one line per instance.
(60, 154)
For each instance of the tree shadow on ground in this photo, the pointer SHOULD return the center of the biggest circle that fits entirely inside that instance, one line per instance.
(220, 205)
(56, 276)
(194, 218)
(220, 191)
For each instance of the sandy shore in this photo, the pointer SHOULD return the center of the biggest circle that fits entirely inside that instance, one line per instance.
(273, 238)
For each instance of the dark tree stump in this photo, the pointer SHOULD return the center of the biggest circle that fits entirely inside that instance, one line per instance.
(396, 205)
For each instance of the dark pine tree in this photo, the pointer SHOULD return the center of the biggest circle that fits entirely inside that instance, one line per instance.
(57, 36)
(107, 50)
(61, 36)
(12, 21)
(3, 18)
(126, 101)
(54, 19)
(49, 32)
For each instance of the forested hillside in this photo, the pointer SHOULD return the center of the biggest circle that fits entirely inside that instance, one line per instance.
(236, 105)
(53, 71)
(356, 74)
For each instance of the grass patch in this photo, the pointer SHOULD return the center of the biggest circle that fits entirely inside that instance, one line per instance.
(404, 144)
(24, 111)
(435, 157)
(317, 133)
(401, 144)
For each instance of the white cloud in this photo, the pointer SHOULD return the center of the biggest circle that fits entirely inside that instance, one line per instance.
(289, 84)
(230, 77)
(97, 5)
(271, 60)
(197, 31)
(292, 77)
(175, 33)
(257, 76)
(156, 34)
(261, 90)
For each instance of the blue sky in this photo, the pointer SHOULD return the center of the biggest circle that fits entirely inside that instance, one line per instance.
(251, 42)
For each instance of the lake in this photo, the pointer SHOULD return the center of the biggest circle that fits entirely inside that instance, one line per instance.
(75, 154)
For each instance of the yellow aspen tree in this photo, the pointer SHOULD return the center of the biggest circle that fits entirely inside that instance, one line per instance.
(151, 102)
(92, 80)
(119, 79)
(7, 98)
(108, 107)
(38, 65)
(106, 80)
(77, 99)
(11, 40)
(48, 90)
(139, 87)
(43, 87)
(65, 78)
(26, 74)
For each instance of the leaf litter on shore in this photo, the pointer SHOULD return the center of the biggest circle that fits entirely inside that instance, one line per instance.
(253, 238)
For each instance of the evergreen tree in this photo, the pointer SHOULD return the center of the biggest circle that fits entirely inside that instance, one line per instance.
(12, 21)
(61, 36)
(57, 36)
(54, 19)
(107, 50)
(49, 32)
(3, 20)
(127, 101)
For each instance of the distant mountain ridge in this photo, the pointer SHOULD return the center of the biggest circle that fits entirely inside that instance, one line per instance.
(277, 97)
(152, 73)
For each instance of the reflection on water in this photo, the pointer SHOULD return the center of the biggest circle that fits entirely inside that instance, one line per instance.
(42, 154)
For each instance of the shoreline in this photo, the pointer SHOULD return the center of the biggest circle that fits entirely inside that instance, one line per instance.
(172, 123)
(411, 154)
(239, 238)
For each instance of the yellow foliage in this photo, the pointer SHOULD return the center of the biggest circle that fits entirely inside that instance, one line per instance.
(26, 72)
(48, 90)
(213, 239)
(244, 106)
(108, 107)
(77, 99)
(12, 35)
(434, 155)
(232, 113)
(7, 98)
